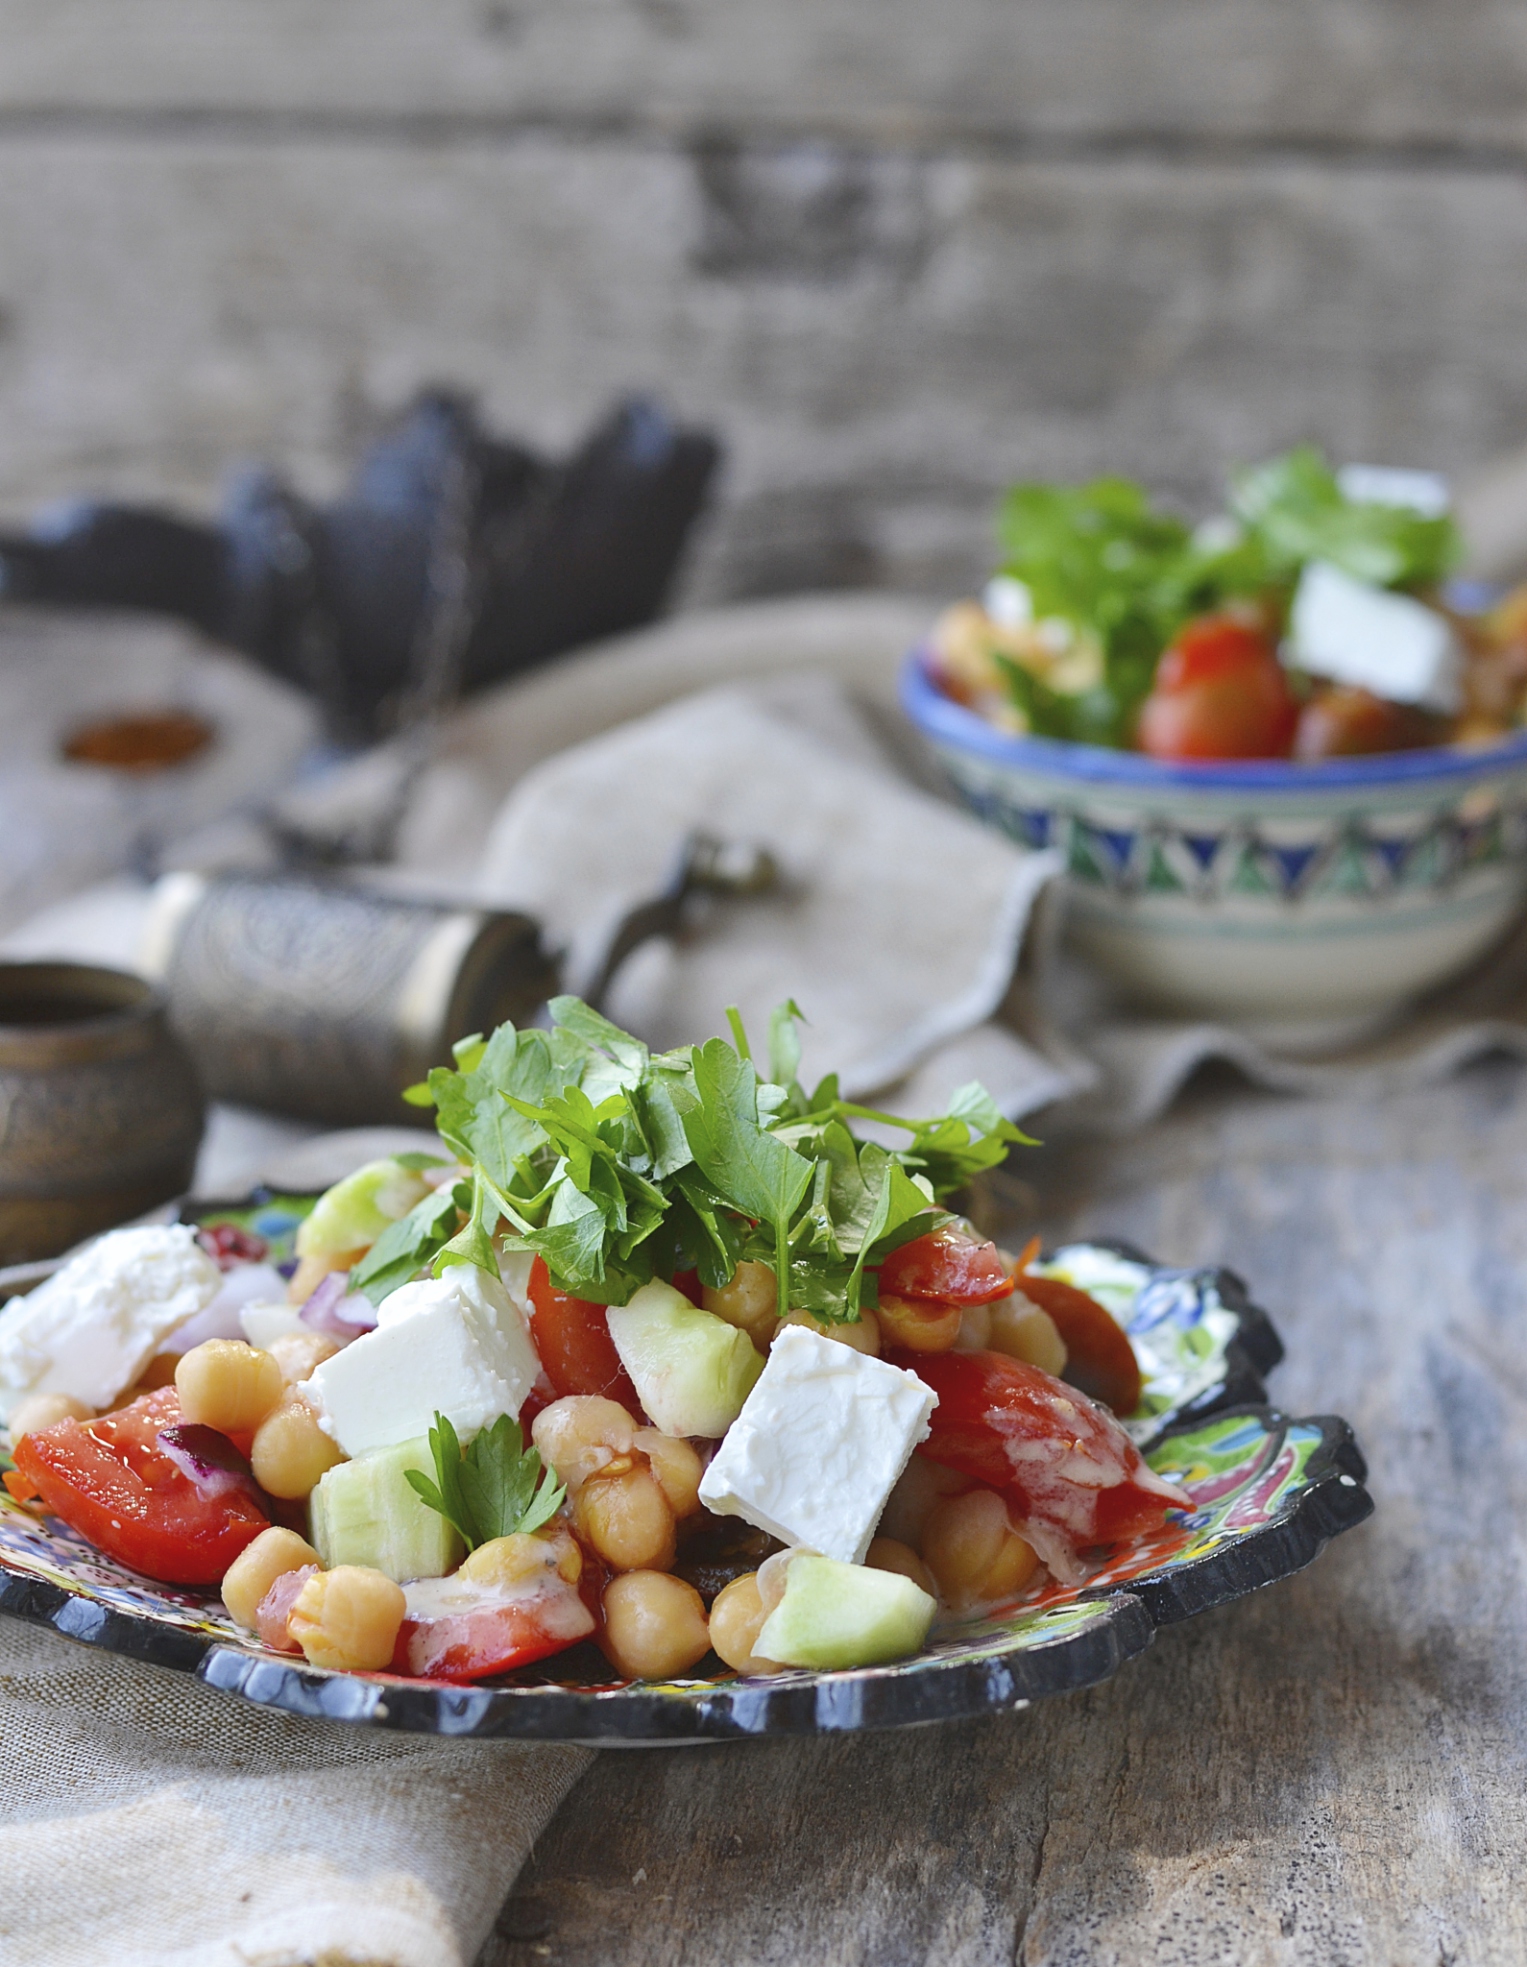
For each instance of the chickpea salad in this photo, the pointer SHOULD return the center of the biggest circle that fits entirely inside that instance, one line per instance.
(653, 1351)
(1312, 619)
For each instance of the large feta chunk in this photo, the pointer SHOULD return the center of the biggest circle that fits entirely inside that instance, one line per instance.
(1388, 643)
(453, 1345)
(819, 1444)
(93, 1326)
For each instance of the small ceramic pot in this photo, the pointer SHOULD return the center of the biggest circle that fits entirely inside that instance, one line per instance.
(1303, 900)
(100, 1110)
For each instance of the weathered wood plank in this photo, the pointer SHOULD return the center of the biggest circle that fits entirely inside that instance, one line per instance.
(1339, 71)
(1327, 1773)
(884, 339)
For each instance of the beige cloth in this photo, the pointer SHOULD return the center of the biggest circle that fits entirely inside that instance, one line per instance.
(146, 1821)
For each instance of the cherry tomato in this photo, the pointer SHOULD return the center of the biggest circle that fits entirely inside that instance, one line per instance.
(1099, 1357)
(573, 1338)
(948, 1265)
(1341, 722)
(471, 1631)
(1072, 1476)
(1220, 692)
(110, 1480)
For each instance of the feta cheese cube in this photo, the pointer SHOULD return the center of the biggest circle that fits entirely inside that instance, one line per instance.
(453, 1345)
(819, 1444)
(1389, 643)
(91, 1328)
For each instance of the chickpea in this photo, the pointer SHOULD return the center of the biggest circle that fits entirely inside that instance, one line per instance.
(228, 1385)
(348, 1618)
(917, 1326)
(311, 1271)
(861, 1333)
(1023, 1331)
(622, 1513)
(290, 1450)
(580, 1434)
(971, 1548)
(750, 1302)
(910, 1503)
(736, 1619)
(40, 1410)
(975, 1329)
(654, 1625)
(257, 1567)
(676, 1466)
(299, 1354)
(886, 1554)
(519, 1558)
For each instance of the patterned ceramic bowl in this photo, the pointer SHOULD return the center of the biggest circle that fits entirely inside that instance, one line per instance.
(1258, 890)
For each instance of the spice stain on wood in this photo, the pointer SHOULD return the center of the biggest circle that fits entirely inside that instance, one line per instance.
(1327, 1774)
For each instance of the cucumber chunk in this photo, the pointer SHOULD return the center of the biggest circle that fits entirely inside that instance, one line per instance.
(365, 1512)
(353, 1213)
(841, 1615)
(692, 1370)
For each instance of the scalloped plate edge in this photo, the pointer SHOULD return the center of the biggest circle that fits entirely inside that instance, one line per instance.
(1330, 1500)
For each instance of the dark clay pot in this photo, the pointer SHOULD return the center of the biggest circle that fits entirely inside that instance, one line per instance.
(100, 1110)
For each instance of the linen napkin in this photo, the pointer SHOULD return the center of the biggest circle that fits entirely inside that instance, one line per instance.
(896, 923)
(147, 1821)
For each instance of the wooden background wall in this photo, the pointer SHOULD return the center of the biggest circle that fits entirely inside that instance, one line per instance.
(899, 250)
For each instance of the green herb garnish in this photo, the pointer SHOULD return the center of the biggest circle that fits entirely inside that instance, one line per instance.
(492, 1488)
(1124, 576)
(617, 1166)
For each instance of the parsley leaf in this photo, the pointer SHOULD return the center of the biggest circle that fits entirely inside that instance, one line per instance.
(406, 1246)
(493, 1488)
(751, 1167)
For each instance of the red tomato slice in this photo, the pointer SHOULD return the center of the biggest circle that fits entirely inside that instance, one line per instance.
(948, 1265)
(1072, 1476)
(1099, 1357)
(110, 1480)
(457, 1630)
(1219, 692)
(573, 1338)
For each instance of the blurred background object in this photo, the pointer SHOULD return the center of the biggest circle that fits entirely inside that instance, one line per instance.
(451, 561)
(897, 257)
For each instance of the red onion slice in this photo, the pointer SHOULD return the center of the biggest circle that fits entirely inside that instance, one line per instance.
(208, 1458)
(337, 1310)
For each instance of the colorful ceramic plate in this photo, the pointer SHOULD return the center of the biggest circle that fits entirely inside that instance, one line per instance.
(1262, 1496)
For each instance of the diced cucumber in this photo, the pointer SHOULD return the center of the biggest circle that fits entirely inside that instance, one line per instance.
(841, 1615)
(692, 1370)
(353, 1213)
(365, 1512)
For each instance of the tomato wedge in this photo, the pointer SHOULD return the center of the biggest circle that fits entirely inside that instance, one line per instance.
(1072, 1476)
(110, 1480)
(948, 1265)
(458, 1630)
(1099, 1357)
(573, 1338)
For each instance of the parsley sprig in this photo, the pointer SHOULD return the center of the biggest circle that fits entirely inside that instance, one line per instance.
(493, 1487)
(618, 1165)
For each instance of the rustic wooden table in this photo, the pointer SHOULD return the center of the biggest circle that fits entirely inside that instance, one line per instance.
(1329, 1772)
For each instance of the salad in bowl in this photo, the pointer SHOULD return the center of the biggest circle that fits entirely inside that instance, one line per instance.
(650, 1352)
(1283, 755)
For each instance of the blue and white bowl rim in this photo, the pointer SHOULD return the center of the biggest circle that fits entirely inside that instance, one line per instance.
(951, 723)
